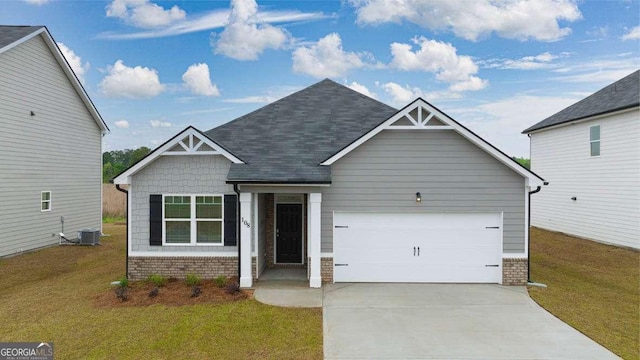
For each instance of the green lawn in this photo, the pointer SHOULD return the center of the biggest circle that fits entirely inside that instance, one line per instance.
(593, 287)
(48, 295)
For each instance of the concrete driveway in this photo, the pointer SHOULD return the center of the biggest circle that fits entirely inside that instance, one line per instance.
(441, 321)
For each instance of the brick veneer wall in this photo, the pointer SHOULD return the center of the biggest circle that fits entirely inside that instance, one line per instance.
(326, 269)
(514, 271)
(178, 267)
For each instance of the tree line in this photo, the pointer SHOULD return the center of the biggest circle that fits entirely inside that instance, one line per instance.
(116, 161)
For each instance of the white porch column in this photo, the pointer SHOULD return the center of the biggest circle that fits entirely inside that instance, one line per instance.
(246, 278)
(315, 200)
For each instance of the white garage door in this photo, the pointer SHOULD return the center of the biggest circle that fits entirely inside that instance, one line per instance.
(401, 247)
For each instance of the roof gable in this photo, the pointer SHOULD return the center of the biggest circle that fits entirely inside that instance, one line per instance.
(621, 95)
(423, 116)
(12, 36)
(189, 141)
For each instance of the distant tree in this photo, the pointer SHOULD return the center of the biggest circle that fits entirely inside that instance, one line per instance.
(523, 161)
(116, 161)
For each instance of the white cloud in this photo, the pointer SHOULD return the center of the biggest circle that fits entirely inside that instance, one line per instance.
(159, 123)
(401, 94)
(123, 124)
(501, 121)
(603, 71)
(198, 80)
(37, 2)
(131, 82)
(361, 89)
(246, 37)
(74, 61)
(143, 13)
(440, 58)
(518, 19)
(633, 34)
(215, 19)
(326, 58)
(541, 61)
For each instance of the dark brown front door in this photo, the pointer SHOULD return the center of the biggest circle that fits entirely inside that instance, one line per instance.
(289, 233)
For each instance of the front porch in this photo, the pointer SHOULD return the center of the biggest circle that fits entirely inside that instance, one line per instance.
(280, 229)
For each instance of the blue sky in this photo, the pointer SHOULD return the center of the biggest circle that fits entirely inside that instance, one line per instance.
(154, 67)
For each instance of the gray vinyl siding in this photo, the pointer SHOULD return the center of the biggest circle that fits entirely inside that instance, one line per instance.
(451, 173)
(57, 150)
(184, 174)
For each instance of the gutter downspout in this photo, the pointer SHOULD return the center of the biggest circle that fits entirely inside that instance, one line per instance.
(126, 235)
(237, 190)
(529, 234)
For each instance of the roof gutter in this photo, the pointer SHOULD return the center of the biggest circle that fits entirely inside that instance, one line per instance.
(126, 235)
(529, 233)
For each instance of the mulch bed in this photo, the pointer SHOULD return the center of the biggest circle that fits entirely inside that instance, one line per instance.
(174, 293)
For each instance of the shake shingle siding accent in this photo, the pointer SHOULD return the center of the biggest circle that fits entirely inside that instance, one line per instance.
(202, 174)
(451, 173)
(286, 140)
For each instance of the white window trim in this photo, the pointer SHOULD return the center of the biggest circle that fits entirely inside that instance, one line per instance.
(45, 201)
(193, 220)
(594, 141)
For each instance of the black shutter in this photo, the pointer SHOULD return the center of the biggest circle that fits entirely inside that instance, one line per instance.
(155, 220)
(230, 220)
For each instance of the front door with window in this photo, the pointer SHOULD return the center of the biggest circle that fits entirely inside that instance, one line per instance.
(289, 233)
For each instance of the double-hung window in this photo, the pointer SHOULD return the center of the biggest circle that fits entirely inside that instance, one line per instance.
(193, 219)
(594, 140)
(45, 201)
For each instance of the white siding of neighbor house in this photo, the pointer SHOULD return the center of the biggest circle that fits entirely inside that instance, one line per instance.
(607, 187)
(58, 150)
(184, 174)
(452, 175)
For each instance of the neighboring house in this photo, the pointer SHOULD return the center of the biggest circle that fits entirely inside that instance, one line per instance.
(50, 144)
(335, 182)
(590, 154)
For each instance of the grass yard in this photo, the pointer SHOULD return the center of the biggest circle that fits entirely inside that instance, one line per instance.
(49, 295)
(593, 287)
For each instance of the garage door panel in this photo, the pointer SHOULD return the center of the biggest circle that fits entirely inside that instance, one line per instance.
(379, 247)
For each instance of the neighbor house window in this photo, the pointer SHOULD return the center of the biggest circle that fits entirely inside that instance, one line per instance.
(193, 219)
(594, 140)
(45, 201)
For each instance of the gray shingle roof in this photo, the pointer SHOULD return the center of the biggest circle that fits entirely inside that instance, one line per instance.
(10, 34)
(285, 141)
(622, 94)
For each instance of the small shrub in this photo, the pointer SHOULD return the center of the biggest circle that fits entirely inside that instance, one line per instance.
(157, 280)
(154, 292)
(196, 291)
(122, 293)
(221, 281)
(123, 282)
(193, 280)
(232, 288)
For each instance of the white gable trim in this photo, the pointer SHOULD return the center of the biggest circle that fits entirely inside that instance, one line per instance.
(421, 105)
(66, 69)
(190, 140)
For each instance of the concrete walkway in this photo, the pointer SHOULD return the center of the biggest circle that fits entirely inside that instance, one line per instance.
(287, 287)
(287, 293)
(442, 321)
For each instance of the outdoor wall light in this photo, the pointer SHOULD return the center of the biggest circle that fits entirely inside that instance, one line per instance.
(418, 197)
(574, 198)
